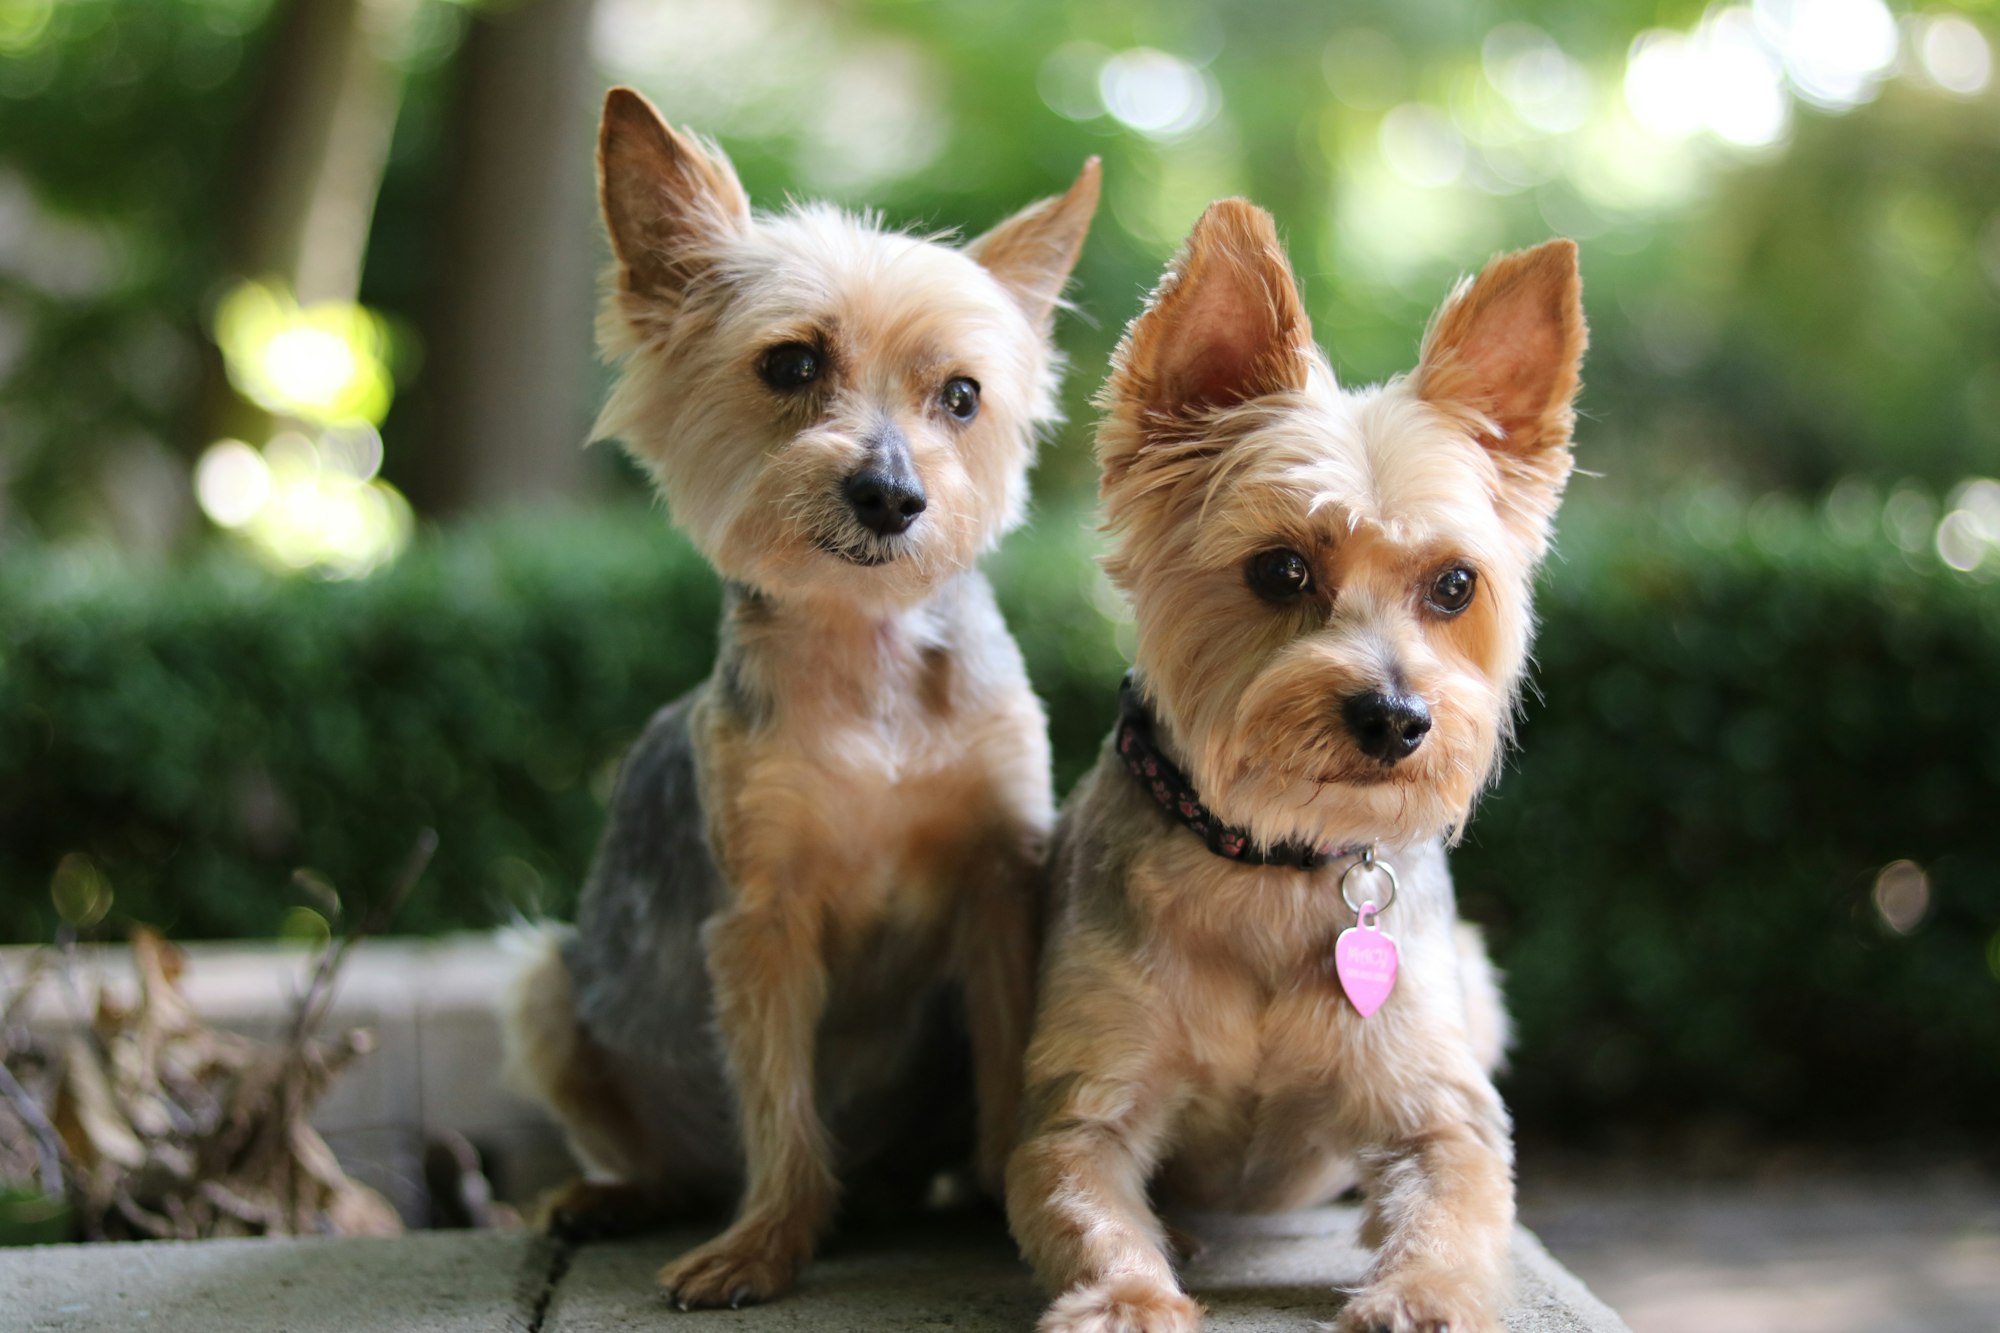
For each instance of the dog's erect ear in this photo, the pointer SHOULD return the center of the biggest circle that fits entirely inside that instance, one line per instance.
(1506, 349)
(667, 200)
(1225, 325)
(1033, 252)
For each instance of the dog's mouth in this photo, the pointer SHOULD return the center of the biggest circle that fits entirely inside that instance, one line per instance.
(1365, 772)
(866, 555)
(1377, 775)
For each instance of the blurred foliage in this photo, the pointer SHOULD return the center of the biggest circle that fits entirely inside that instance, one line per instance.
(1739, 721)
(118, 122)
(1822, 301)
(1734, 733)
(1747, 711)
(201, 736)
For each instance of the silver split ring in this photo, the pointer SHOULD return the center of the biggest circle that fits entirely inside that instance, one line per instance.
(1368, 861)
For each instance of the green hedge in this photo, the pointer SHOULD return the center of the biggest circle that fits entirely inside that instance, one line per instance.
(1738, 723)
(1732, 737)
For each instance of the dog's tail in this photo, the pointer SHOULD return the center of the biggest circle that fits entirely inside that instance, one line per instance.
(551, 1059)
(1486, 1021)
(538, 1028)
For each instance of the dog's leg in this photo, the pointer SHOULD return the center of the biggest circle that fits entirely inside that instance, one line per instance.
(1076, 1198)
(1441, 1207)
(998, 946)
(1096, 1123)
(770, 991)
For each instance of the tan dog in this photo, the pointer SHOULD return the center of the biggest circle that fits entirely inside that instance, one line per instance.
(847, 820)
(1332, 595)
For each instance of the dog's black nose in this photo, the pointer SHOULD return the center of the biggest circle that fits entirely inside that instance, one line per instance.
(1386, 726)
(886, 497)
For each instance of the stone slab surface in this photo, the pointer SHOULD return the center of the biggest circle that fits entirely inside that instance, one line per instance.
(957, 1273)
(1893, 1248)
(436, 1282)
(1252, 1274)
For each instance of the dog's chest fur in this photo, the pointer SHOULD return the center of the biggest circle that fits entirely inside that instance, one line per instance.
(1238, 960)
(835, 777)
(856, 767)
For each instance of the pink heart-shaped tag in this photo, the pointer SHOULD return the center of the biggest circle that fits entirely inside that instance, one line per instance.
(1365, 959)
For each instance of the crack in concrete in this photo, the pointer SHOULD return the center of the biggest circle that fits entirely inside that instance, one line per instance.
(542, 1271)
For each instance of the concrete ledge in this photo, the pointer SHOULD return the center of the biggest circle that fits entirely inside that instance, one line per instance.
(435, 1281)
(959, 1273)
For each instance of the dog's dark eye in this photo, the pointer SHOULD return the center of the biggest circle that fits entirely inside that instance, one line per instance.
(1278, 575)
(790, 367)
(1451, 591)
(961, 398)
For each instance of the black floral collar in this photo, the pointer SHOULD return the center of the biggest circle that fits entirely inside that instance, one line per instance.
(1146, 761)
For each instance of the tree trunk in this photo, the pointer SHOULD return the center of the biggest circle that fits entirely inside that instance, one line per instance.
(321, 140)
(504, 407)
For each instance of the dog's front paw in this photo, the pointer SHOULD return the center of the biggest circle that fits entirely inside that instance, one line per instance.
(1420, 1303)
(743, 1266)
(1124, 1305)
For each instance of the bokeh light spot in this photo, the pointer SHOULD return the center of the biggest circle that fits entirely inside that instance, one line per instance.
(23, 23)
(1547, 89)
(1962, 540)
(1421, 147)
(519, 884)
(1851, 511)
(1662, 83)
(1723, 77)
(306, 503)
(1834, 52)
(308, 365)
(323, 363)
(878, 118)
(231, 483)
(1744, 100)
(1159, 95)
(1067, 80)
(1908, 516)
(1980, 496)
(80, 891)
(1902, 895)
(1954, 54)
(304, 926)
(352, 451)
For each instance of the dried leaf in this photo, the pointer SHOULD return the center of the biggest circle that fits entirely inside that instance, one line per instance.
(167, 1127)
(87, 1114)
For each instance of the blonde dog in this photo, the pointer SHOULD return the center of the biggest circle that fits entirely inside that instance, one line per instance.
(809, 854)
(1254, 980)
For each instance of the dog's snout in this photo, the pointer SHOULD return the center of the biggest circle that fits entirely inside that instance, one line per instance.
(885, 493)
(1388, 727)
(885, 501)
